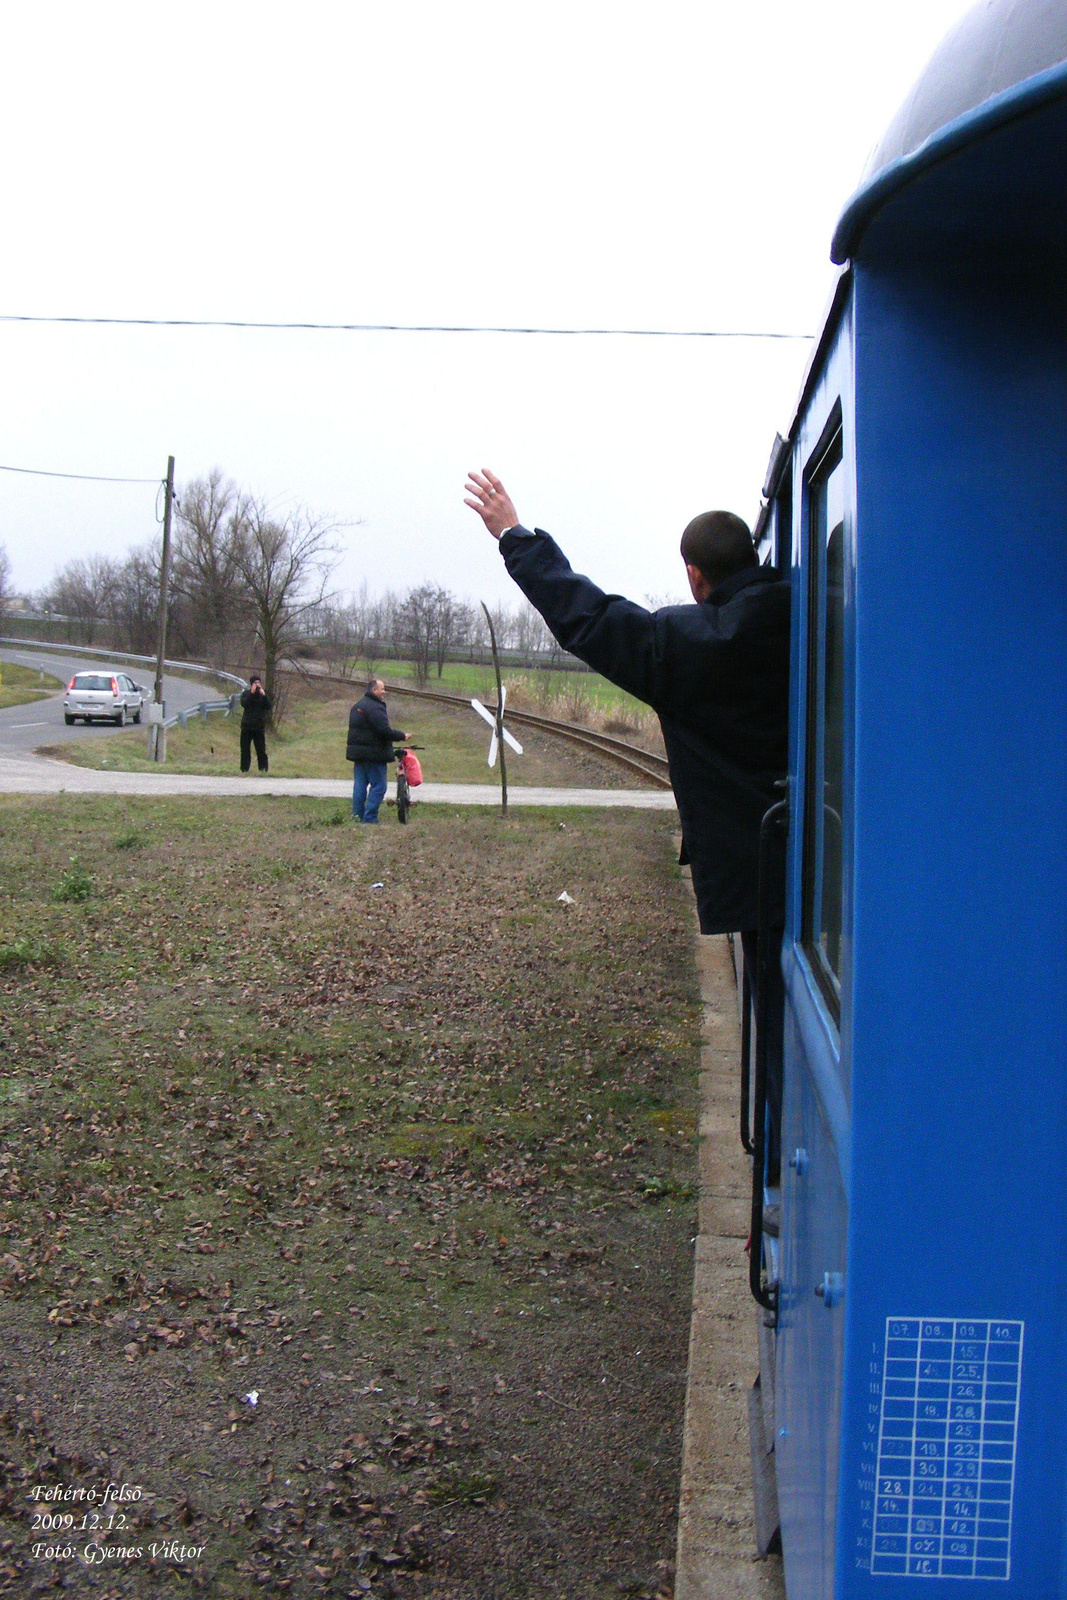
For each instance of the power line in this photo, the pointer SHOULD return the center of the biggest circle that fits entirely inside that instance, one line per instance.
(85, 477)
(412, 327)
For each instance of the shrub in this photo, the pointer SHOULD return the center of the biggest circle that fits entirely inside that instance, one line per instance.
(332, 819)
(656, 1188)
(25, 952)
(75, 884)
(470, 1488)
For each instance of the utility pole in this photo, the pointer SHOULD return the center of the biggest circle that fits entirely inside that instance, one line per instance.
(499, 715)
(158, 745)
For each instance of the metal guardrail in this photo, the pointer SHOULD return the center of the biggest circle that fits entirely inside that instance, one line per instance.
(180, 718)
(121, 655)
(202, 710)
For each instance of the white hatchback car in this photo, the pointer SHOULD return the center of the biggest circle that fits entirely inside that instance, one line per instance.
(104, 695)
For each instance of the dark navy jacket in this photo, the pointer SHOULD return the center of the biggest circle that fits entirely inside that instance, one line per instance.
(370, 738)
(717, 674)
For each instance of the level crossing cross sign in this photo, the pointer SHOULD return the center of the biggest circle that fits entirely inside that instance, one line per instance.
(497, 724)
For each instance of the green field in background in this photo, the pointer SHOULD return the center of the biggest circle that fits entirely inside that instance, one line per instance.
(463, 678)
(20, 686)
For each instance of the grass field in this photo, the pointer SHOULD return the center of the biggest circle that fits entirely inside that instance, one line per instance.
(346, 1198)
(20, 686)
(536, 687)
(311, 744)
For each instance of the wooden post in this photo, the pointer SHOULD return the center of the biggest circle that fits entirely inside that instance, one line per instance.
(158, 734)
(499, 716)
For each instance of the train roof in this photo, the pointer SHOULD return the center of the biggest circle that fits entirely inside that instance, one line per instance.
(1004, 58)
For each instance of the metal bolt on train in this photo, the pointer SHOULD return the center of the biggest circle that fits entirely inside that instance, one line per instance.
(909, 1246)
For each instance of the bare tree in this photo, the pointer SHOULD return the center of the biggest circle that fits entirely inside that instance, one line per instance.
(427, 626)
(503, 625)
(382, 636)
(213, 613)
(375, 623)
(470, 622)
(415, 628)
(530, 637)
(6, 591)
(81, 592)
(336, 629)
(133, 605)
(285, 564)
(448, 621)
(544, 643)
(477, 634)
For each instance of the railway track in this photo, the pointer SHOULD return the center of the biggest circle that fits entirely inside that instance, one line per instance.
(651, 767)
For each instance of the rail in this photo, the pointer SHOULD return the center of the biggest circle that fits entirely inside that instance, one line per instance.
(632, 756)
(643, 762)
(202, 709)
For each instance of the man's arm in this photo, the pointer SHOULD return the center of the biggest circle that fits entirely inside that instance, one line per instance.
(612, 635)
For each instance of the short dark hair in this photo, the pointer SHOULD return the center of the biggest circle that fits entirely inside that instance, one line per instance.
(373, 683)
(718, 544)
(255, 678)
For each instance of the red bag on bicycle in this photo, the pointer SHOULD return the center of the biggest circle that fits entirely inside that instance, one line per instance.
(408, 762)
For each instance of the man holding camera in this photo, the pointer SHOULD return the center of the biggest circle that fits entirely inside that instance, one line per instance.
(256, 707)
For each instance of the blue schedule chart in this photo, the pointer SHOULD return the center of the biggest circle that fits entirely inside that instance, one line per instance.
(946, 1448)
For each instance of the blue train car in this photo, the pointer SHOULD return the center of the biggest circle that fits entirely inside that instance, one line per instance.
(914, 1259)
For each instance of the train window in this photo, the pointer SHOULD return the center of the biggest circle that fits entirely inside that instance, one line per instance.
(783, 525)
(824, 771)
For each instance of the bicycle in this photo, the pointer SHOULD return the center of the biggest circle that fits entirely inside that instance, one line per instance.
(403, 787)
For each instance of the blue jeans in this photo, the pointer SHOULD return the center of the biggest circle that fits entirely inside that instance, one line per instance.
(368, 789)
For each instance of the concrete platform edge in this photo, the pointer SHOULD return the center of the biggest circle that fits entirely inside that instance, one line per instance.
(716, 1557)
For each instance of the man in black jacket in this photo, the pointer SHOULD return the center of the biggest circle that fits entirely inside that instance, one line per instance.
(256, 707)
(717, 674)
(370, 747)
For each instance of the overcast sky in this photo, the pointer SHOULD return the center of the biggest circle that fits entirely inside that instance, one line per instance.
(677, 165)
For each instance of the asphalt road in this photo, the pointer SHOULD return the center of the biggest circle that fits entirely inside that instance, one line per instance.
(23, 728)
